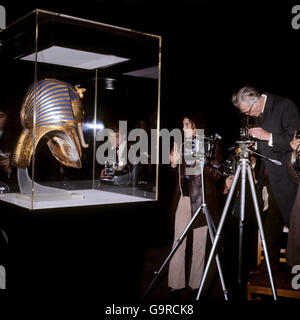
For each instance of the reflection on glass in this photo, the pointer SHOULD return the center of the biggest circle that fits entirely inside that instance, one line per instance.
(116, 74)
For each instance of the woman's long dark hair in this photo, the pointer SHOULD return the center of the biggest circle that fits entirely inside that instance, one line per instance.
(197, 118)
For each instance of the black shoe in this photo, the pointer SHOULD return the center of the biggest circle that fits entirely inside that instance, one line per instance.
(193, 293)
(175, 295)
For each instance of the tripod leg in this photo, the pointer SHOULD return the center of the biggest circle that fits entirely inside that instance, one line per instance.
(175, 247)
(210, 225)
(261, 231)
(241, 223)
(221, 223)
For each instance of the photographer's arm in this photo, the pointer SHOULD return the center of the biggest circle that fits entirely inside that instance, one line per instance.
(261, 134)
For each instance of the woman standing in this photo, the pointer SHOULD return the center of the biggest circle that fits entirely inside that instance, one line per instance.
(187, 263)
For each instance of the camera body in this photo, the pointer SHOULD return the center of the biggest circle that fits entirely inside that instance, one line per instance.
(247, 123)
(244, 133)
(109, 168)
(297, 134)
(230, 165)
(199, 146)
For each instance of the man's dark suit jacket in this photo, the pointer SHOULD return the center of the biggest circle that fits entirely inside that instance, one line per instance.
(281, 117)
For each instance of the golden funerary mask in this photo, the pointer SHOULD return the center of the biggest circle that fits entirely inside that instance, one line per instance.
(55, 108)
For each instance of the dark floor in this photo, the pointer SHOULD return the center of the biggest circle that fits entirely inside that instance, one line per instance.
(111, 252)
(153, 260)
(159, 292)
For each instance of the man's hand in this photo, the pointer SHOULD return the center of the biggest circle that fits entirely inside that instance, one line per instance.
(228, 184)
(260, 134)
(174, 156)
(294, 144)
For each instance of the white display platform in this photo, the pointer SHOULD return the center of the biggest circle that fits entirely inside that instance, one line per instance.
(88, 197)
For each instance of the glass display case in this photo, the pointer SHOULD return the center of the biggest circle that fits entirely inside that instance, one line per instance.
(81, 105)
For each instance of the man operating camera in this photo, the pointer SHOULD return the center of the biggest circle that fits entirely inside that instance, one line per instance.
(276, 119)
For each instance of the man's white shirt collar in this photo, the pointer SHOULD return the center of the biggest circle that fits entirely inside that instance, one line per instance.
(265, 96)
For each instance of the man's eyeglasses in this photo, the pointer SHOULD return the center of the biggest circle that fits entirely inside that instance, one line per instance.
(247, 113)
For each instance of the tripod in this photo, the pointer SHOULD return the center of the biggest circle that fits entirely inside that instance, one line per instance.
(210, 225)
(244, 168)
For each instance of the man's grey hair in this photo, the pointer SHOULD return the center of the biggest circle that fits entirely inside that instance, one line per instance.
(246, 93)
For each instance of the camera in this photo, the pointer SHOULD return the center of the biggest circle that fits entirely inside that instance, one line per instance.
(4, 188)
(244, 133)
(200, 146)
(297, 134)
(109, 169)
(230, 165)
(247, 123)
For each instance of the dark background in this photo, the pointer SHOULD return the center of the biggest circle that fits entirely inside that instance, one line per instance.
(209, 49)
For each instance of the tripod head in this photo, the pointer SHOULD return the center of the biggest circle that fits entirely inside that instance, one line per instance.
(228, 168)
(244, 148)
